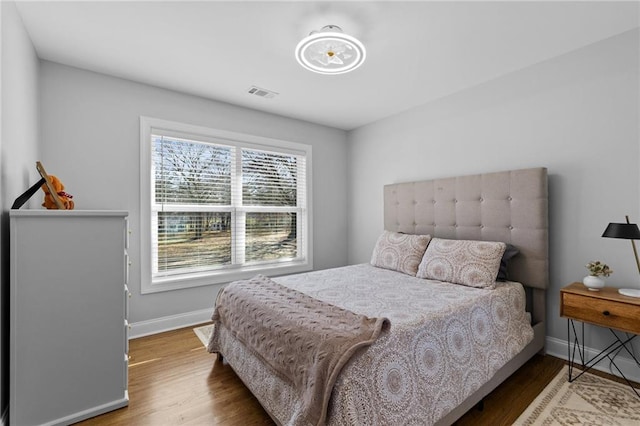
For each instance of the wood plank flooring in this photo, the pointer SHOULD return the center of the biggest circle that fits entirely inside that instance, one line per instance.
(173, 380)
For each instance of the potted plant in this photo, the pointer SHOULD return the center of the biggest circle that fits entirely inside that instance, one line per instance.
(597, 273)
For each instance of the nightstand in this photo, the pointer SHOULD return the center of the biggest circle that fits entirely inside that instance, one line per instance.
(604, 308)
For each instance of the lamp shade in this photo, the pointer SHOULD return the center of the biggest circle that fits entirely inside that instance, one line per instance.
(627, 231)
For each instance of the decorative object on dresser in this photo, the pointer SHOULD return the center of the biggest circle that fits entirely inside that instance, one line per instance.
(606, 308)
(627, 231)
(55, 198)
(68, 315)
(597, 271)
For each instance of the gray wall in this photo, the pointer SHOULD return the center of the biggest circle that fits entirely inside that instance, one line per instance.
(18, 150)
(91, 141)
(576, 114)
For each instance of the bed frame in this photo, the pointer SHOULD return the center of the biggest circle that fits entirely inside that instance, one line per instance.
(510, 206)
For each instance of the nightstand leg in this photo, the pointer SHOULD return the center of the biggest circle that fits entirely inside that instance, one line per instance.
(569, 358)
(577, 344)
(624, 377)
(616, 345)
(622, 344)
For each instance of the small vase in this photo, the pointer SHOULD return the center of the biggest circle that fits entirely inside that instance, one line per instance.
(593, 283)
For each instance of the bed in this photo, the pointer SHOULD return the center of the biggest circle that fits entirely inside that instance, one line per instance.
(439, 347)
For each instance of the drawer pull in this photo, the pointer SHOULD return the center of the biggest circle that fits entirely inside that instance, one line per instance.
(605, 313)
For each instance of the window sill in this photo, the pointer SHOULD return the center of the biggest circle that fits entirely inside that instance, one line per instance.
(223, 277)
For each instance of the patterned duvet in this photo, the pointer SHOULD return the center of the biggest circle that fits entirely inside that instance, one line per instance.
(444, 342)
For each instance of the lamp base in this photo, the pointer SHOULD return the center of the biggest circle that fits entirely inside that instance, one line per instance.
(631, 292)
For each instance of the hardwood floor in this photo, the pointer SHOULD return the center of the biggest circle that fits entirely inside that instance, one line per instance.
(173, 380)
(505, 404)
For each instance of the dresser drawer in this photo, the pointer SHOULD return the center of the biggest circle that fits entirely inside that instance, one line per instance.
(607, 313)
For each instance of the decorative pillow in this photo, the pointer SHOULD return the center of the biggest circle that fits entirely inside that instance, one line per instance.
(470, 263)
(399, 252)
(510, 252)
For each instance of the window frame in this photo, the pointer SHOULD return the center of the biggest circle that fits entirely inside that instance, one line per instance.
(148, 126)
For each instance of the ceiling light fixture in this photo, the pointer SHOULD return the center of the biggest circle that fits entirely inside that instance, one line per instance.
(330, 51)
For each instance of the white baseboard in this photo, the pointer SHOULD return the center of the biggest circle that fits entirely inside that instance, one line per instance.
(173, 322)
(558, 348)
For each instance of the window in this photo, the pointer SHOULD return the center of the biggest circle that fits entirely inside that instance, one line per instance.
(218, 206)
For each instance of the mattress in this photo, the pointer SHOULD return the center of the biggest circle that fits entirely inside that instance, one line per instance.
(444, 342)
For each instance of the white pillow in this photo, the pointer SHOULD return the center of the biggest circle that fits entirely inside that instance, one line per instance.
(399, 252)
(466, 262)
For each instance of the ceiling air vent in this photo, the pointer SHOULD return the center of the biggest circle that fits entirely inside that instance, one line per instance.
(263, 93)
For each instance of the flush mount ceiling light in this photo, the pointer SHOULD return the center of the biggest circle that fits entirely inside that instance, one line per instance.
(330, 51)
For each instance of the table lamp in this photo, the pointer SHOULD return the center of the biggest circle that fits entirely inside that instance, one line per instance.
(627, 231)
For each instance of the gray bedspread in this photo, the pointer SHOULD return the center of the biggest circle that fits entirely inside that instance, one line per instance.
(443, 343)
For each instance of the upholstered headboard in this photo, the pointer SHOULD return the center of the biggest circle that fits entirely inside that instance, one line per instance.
(510, 206)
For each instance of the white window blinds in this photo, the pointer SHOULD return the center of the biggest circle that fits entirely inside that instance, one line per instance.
(220, 205)
(191, 172)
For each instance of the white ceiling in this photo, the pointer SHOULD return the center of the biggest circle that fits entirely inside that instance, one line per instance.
(416, 51)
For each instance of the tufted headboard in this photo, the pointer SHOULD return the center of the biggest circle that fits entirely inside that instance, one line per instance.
(510, 206)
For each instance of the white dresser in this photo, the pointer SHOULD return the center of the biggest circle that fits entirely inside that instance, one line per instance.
(69, 307)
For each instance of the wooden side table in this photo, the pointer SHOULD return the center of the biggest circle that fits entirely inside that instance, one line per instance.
(604, 308)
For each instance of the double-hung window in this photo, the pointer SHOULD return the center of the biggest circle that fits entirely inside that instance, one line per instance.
(218, 206)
